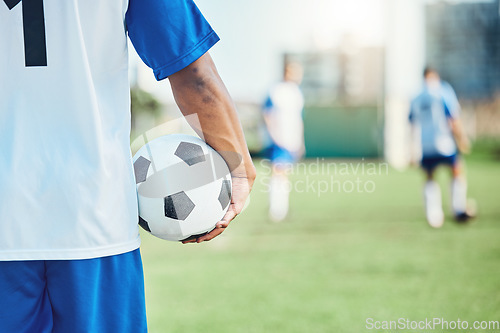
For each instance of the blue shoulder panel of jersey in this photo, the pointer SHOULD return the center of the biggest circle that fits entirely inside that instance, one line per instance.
(268, 105)
(168, 35)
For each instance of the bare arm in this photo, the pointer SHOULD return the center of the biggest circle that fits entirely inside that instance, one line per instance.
(414, 145)
(199, 90)
(458, 132)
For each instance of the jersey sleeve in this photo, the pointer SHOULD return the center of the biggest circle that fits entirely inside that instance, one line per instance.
(168, 35)
(268, 105)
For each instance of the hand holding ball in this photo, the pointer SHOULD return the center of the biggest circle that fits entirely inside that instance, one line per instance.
(183, 186)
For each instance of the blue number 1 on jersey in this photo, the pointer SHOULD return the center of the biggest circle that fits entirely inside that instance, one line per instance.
(35, 46)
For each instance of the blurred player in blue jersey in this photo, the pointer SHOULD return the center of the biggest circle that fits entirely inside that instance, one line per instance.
(434, 115)
(69, 236)
(283, 117)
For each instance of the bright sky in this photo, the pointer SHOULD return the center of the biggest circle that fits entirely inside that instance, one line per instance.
(255, 35)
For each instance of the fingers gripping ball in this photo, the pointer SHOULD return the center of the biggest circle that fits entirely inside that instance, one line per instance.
(183, 187)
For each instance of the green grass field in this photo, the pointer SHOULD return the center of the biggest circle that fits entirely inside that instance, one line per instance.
(339, 259)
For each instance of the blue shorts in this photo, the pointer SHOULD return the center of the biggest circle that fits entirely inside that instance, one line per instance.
(93, 295)
(279, 155)
(429, 163)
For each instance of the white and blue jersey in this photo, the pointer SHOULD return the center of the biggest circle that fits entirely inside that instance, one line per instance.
(430, 111)
(283, 110)
(67, 188)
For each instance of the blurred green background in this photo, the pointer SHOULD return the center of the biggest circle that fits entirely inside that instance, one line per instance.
(337, 260)
(347, 131)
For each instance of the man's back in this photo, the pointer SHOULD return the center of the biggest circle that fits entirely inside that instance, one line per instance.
(67, 187)
(64, 126)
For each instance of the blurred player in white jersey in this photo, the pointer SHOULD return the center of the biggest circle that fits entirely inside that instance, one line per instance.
(434, 115)
(283, 117)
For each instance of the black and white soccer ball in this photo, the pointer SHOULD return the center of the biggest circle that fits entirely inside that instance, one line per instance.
(183, 187)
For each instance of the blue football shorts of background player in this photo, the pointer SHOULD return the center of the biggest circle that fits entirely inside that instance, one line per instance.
(279, 155)
(429, 163)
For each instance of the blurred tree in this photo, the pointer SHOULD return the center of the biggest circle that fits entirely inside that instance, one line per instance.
(143, 103)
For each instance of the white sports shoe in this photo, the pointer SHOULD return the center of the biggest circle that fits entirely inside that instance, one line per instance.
(435, 218)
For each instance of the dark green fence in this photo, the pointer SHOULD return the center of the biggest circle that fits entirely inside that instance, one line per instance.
(343, 131)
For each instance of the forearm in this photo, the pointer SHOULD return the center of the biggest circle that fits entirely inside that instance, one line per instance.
(199, 90)
(459, 135)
